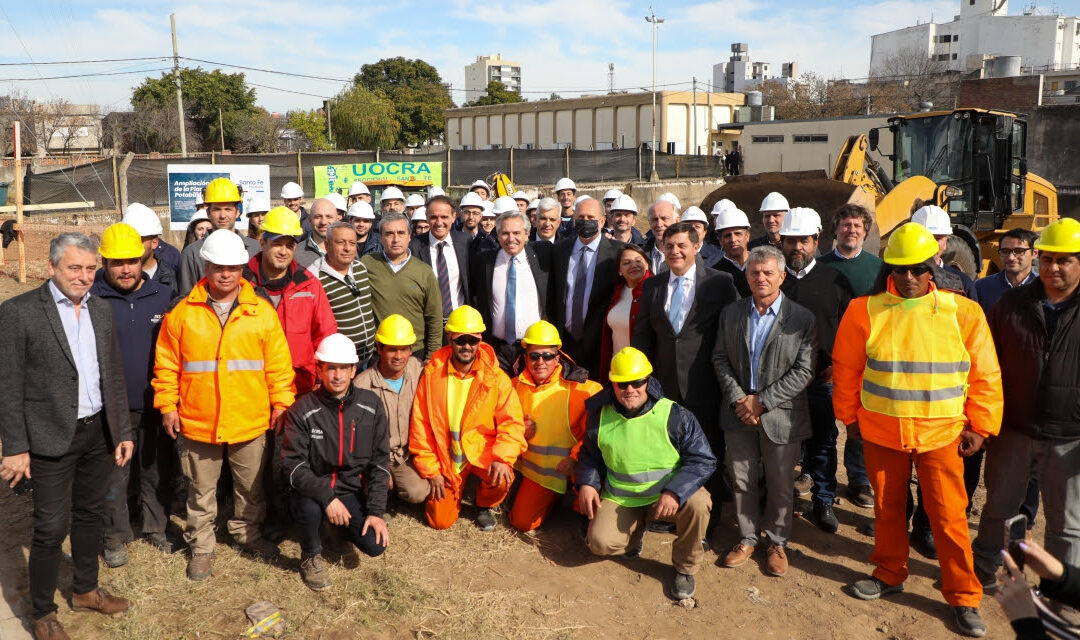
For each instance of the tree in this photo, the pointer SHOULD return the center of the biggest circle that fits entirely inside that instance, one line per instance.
(910, 77)
(205, 92)
(250, 132)
(41, 121)
(309, 128)
(497, 93)
(364, 119)
(417, 93)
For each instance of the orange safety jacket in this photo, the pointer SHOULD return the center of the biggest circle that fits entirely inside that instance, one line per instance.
(224, 381)
(491, 424)
(558, 408)
(915, 372)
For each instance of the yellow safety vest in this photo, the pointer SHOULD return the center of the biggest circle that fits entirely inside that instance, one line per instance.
(638, 453)
(916, 362)
(549, 408)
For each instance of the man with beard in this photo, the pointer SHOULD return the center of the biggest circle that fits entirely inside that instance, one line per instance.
(733, 233)
(623, 214)
(772, 210)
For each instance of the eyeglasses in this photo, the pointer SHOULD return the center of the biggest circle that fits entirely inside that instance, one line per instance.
(633, 384)
(462, 341)
(546, 356)
(1005, 253)
(914, 269)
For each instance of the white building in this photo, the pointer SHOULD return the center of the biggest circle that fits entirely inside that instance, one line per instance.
(491, 69)
(740, 74)
(984, 29)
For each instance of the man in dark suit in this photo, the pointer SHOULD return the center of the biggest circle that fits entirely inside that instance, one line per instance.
(764, 360)
(446, 251)
(676, 329)
(64, 423)
(509, 296)
(581, 291)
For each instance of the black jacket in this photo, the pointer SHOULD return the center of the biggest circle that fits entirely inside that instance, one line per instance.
(742, 285)
(585, 352)
(1040, 374)
(421, 248)
(826, 292)
(696, 460)
(483, 270)
(335, 447)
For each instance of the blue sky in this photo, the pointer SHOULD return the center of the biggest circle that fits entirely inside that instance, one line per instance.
(563, 45)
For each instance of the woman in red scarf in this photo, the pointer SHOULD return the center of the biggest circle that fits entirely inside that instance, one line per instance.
(619, 322)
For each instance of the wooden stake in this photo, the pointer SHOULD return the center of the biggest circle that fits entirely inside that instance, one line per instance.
(17, 143)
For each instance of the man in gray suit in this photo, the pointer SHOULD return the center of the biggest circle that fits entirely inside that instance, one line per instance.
(764, 360)
(64, 423)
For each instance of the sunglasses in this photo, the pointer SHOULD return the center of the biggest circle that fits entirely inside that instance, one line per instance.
(463, 341)
(633, 384)
(914, 269)
(546, 356)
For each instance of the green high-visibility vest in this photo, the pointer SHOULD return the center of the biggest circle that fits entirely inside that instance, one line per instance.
(639, 456)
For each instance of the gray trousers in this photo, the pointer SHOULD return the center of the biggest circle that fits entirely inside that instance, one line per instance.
(748, 450)
(1010, 459)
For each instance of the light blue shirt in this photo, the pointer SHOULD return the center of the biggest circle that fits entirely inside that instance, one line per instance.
(760, 326)
(395, 384)
(401, 265)
(83, 344)
(590, 271)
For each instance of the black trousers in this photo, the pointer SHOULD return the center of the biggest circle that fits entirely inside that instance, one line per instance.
(70, 487)
(309, 516)
(153, 465)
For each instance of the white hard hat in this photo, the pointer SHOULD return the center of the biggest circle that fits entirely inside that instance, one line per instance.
(623, 202)
(774, 202)
(533, 204)
(480, 183)
(358, 188)
(199, 199)
(505, 204)
(670, 197)
(471, 199)
(565, 183)
(521, 195)
(361, 210)
(414, 200)
(611, 194)
(259, 203)
(336, 349)
(935, 219)
(338, 200)
(801, 221)
(723, 204)
(419, 213)
(143, 218)
(731, 217)
(291, 190)
(694, 214)
(435, 191)
(578, 200)
(224, 248)
(489, 209)
(391, 193)
(199, 215)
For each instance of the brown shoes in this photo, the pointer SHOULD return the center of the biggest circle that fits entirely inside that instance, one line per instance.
(49, 628)
(738, 555)
(99, 600)
(776, 561)
(314, 574)
(199, 566)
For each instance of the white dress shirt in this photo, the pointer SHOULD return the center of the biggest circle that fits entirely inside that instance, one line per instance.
(453, 269)
(526, 303)
(801, 273)
(571, 271)
(618, 319)
(689, 286)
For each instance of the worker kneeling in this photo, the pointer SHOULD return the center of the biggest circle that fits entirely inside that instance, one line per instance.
(466, 420)
(644, 458)
(552, 391)
(336, 458)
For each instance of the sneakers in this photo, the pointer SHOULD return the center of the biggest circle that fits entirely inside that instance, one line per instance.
(115, 554)
(313, 572)
(923, 542)
(871, 589)
(803, 484)
(199, 566)
(262, 549)
(683, 587)
(776, 563)
(988, 579)
(825, 518)
(485, 519)
(99, 600)
(160, 542)
(969, 622)
(49, 628)
(738, 555)
(862, 496)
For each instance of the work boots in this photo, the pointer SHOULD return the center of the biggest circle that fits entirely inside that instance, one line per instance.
(199, 566)
(313, 572)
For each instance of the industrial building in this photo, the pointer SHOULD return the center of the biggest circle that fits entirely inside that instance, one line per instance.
(803, 145)
(491, 69)
(612, 121)
(740, 74)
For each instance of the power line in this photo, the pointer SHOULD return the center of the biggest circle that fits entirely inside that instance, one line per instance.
(31, 64)
(280, 73)
(82, 75)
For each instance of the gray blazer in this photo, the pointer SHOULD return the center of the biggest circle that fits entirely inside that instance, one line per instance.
(38, 391)
(786, 368)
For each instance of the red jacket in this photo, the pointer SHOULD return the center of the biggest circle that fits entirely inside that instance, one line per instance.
(305, 316)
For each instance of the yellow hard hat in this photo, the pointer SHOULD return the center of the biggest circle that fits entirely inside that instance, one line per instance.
(912, 243)
(121, 241)
(281, 221)
(629, 365)
(221, 190)
(541, 334)
(1061, 236)
(395, 331)
(465, 319)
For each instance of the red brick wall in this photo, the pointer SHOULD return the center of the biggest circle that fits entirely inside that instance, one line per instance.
(1019, 93)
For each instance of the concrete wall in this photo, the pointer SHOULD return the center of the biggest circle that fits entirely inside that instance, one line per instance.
(1019, 93)
(1053, 139)
(759, 157)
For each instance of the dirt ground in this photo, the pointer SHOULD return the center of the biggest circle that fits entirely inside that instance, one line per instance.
(464, 584)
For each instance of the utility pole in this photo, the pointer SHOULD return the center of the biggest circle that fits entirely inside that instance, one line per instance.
(179, 91)
(653, 176)
(329, 128)
(695, 115)
(221, 129)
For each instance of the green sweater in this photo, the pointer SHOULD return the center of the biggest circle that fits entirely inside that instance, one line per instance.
(412, 292)
(861, 271)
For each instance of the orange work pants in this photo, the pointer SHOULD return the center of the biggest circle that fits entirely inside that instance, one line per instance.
(941, 476)
(442, 514)
(532, 505)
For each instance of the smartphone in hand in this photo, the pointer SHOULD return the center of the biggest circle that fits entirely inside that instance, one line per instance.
(1015, 533)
